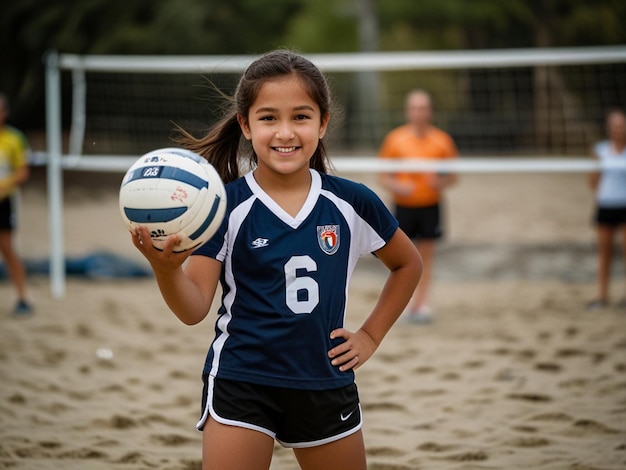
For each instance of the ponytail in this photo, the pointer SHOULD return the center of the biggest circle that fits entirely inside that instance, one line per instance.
(220, 146)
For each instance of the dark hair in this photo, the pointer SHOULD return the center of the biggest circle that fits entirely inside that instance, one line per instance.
(224, 144)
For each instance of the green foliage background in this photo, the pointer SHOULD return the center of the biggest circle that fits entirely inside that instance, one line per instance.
(28, 28)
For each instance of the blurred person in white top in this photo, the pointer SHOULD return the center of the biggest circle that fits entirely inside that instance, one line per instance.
(609, 185)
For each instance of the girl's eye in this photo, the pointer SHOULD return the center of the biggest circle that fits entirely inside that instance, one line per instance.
(301, 117)
(266, 118)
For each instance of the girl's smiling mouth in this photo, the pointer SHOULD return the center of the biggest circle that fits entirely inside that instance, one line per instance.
(285, 149)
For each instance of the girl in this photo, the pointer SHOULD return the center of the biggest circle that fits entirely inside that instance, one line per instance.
(610, 211)
(281, 365)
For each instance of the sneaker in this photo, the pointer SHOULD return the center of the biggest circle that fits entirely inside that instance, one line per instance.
(22, 308)
(596, 304)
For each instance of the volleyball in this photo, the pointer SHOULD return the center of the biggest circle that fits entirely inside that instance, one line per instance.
(173, 191)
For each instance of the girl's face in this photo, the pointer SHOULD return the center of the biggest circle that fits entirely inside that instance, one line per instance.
(285, 126)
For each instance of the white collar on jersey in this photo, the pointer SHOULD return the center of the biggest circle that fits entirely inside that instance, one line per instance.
(305, 210)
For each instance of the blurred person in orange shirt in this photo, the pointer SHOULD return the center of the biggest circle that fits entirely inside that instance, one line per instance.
(418, 196)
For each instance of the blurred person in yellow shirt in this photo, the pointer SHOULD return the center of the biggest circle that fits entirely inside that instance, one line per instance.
(14, 171)
(417, 196)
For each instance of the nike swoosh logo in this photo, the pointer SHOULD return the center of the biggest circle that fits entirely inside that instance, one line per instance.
(346, 417)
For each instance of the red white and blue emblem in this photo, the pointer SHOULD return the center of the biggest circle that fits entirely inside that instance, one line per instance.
(328, 238)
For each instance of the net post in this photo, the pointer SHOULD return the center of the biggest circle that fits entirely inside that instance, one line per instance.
(77, 130)
(55, 173)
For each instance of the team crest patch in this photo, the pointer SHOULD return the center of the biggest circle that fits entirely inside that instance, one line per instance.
(328, 238)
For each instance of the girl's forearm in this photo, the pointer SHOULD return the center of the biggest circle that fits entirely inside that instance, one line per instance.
(394, 297)
(183, 296)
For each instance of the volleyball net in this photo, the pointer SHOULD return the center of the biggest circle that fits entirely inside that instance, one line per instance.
(521, 110)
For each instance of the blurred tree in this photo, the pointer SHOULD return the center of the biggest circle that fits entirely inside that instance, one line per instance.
(324, 26)
(30, 27)
(486, 24)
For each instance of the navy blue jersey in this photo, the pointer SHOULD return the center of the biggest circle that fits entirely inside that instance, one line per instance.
(285, 280)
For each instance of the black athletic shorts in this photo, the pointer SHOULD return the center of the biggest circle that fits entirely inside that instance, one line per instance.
(613, 217)
(7, 215)
(295, 418)
(420, 223)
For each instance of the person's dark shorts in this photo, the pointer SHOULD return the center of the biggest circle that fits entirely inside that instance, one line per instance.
(295, 418)
(420, 223)
(7, 215)
(612, 217)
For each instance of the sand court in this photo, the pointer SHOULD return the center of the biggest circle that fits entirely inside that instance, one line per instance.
(514, 373)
